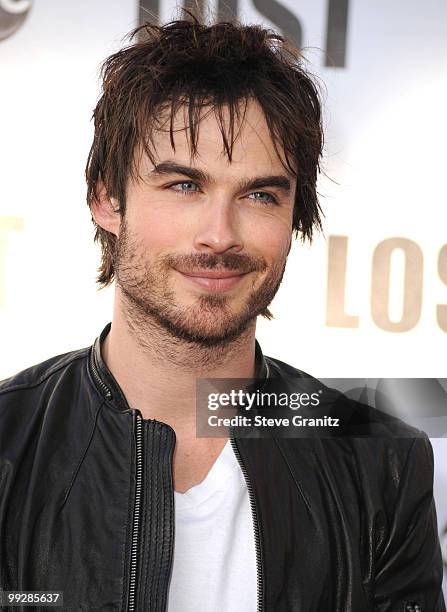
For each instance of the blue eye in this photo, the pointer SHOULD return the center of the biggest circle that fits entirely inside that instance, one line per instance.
(267, 199)
(185, 187)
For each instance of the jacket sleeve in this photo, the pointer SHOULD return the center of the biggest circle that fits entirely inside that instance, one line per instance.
(409, 564)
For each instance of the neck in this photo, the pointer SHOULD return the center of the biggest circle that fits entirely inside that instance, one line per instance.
(157, 371)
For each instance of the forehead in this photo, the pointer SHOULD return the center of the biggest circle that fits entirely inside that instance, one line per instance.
(252, 150)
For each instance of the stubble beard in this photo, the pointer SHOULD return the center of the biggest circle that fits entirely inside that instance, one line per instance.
(151, 308)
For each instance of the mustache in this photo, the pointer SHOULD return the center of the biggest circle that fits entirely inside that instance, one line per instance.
(209, 261)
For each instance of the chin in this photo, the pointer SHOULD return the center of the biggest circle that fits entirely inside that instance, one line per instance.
(208, 328)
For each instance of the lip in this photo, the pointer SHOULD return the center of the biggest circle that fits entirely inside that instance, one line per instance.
(213, 280)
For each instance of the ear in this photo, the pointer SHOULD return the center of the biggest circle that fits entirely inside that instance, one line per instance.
(105, 210)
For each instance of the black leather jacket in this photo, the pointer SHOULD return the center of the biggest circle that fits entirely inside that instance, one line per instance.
(87, 503)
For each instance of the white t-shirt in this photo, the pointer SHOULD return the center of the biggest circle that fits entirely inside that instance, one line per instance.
(214, 566)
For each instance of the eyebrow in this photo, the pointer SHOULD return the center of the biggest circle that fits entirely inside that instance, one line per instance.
(279, 181)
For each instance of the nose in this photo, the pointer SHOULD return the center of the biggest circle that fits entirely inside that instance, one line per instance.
(218, 228)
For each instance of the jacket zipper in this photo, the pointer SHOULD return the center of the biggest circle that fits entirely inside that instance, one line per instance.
(138, 432)
(136, 520)
(138, 429)
(259, 565)
(97, 377)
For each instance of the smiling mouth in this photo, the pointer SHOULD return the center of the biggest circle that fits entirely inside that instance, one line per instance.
(214, 280)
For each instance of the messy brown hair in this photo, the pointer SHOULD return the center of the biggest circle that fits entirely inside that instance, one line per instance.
(187, 63)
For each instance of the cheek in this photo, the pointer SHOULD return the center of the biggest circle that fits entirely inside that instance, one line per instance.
(271, 240)
(156, 226)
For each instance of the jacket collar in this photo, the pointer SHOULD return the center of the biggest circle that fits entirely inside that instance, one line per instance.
(109, 387)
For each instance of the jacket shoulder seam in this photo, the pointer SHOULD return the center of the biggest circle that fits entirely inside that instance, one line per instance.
(44, 376)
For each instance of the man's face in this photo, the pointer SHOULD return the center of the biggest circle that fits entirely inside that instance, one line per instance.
(203, 244)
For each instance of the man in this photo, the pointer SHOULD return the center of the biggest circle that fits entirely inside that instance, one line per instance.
(204, 162)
